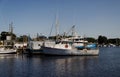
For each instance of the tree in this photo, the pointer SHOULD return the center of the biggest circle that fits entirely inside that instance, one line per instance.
(23, 38)
(90, 39)
(102, 40)
(115, 41)
(4, 34)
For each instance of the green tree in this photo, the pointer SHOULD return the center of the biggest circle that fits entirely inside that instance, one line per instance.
(23, 38)
(4, 34)
(102, 40)
(90, 39)
(115, 41)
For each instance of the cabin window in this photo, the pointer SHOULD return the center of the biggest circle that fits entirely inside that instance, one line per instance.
(38, 44)
(76, 39)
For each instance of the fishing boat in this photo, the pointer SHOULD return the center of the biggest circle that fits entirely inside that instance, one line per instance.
(7, 45)
(74, 45)
(65, 48)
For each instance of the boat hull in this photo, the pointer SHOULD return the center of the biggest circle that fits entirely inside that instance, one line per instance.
(56, 51)
(8, 52)
(33, 51)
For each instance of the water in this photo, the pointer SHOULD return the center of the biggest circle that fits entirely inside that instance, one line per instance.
(107, 64)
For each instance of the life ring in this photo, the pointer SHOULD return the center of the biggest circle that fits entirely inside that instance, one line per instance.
(66, 46)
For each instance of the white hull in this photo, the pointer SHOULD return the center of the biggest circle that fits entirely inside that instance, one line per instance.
(57, 51)
(7, 51)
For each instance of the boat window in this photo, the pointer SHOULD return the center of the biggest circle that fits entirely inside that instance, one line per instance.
(39, 45)
(76, 39)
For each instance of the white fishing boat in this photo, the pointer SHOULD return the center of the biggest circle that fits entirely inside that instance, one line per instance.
(66, 46)
(68, 49)
(7, 45)
(7, 49)
(71, 46)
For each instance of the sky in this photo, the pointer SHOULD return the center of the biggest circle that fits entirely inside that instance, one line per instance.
(90, 17)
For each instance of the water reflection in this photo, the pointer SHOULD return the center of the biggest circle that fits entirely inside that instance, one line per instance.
(67, 66)
(13, 65)
(106, 64)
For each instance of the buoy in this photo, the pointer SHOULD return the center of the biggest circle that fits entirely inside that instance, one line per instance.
(66, 46)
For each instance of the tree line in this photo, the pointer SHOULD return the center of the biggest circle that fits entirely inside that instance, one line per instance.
(101, 40)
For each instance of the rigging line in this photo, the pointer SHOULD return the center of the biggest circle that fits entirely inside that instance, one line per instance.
(51, 30)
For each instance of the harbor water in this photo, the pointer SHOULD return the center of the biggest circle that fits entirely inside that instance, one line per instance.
(107, 64)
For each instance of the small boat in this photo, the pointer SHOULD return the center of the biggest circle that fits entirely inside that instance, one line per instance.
(7, 49)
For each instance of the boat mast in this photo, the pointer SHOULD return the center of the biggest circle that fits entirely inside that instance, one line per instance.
(73, 30)
(11, 30)
(57, 27)
(10, 37)
(11, 27)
